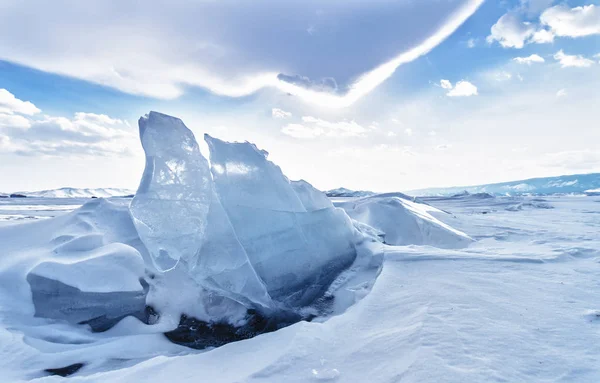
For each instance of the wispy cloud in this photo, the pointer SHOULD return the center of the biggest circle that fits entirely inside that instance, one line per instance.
(280, 113)
(534, 58)
(567, 61)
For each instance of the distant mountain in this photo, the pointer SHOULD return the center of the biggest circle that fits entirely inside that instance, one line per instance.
(79, 193)
(343, 192)
(571, 184)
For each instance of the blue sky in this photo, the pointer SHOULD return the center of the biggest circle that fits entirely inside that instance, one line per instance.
(347, 94)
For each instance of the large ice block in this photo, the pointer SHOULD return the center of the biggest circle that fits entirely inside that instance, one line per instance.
(295, 252)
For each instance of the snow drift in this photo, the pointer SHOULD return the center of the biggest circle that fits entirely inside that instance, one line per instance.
(402, 221)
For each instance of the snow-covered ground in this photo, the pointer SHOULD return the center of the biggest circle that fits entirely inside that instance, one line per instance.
(521, 304)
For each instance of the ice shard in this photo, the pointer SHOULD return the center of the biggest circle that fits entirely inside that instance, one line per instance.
(172, 202)
(297, 253)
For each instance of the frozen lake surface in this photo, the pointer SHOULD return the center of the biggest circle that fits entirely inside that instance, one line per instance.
(520, 304)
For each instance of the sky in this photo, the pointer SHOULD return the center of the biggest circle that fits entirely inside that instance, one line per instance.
(380, 95)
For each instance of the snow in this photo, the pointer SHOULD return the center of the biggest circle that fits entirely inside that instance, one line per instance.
(404, 221)
(78, 193)
(568, 184)
(519, 305)
(343, 192)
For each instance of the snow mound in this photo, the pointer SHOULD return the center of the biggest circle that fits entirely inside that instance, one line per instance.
(405, 221)
(79, 193)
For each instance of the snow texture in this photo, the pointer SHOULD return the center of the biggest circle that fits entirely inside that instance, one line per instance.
(404, 221)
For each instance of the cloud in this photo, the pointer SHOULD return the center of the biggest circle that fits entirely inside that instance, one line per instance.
(312, 127)
(529, 59)
(471, 43)
(445, 84)
(301, 131)
(463, 89)
(337, 129)
(279, 113)
(9, 104)
(577, 61)
(572, 22)
(408, 131)
(510, 31)
(162, 48)
(561, 93)
(14, 121)
(542, 36)
(85, 134)
(391, 134)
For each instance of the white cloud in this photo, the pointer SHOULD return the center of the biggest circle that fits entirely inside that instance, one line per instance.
(471, 43)
(529, 59)
(9, 104)
(463, 89)
(206, 44)
(445, 84)
(13, 121)
(542, 36)
(86, 134)
(408, 131)
(280, 113)
(337, 129)
(432, 133)
(443, 147)
(572, 22)
(561, 93)
(503, 76)
(301, 131)
(534, 7)
(572, 60)
(312, 127)
(391, 134)
(510, 31)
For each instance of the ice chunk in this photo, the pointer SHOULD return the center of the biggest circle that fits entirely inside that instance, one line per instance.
(100, 289)
(295, 252)
(312, 199)
(223, 263)
(244, 177)
(171, 205)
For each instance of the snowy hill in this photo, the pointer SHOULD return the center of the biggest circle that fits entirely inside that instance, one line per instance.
(570, 184)
(343, 192)
(79, 193)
